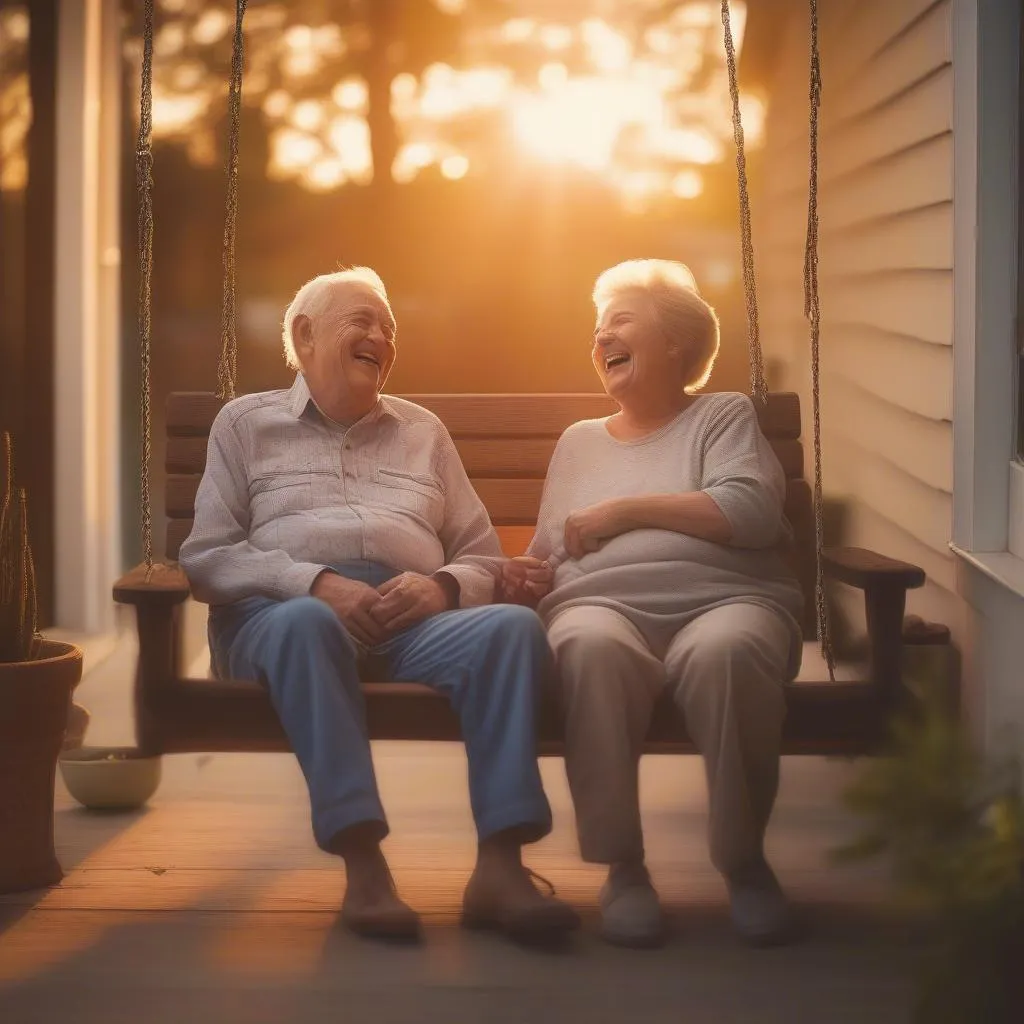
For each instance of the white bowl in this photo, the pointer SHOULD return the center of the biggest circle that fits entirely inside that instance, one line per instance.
(110, 778)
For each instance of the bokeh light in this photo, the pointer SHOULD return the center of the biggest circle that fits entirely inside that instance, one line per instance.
(640, 108)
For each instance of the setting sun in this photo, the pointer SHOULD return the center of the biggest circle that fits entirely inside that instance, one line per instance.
(642, 111)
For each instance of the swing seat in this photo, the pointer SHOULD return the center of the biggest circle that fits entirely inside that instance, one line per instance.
(505, 442)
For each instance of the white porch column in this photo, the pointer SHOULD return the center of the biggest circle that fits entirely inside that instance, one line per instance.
(86, 323)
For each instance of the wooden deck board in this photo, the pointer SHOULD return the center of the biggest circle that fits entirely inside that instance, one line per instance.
(213, 904)
(113, 968)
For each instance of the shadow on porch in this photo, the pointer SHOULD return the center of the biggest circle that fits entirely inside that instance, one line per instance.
(214, 904)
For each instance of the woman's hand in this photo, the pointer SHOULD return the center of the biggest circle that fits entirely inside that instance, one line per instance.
(589, 528)
(525, 580)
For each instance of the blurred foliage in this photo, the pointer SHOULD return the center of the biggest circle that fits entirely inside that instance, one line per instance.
(951, 823)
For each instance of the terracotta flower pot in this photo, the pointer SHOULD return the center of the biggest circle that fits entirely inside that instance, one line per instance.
(34, 701)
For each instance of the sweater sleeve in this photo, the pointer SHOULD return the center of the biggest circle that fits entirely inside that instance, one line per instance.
(742, 475)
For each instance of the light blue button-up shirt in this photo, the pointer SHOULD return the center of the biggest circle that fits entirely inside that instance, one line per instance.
(288, 492)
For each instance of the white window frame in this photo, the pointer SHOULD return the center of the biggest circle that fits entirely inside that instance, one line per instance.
(1015, 529)
(988, 481)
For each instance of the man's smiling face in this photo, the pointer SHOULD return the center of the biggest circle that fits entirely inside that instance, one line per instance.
(347, 351)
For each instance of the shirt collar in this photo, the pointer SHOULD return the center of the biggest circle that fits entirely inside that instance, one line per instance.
(300, 401)
(299, 397)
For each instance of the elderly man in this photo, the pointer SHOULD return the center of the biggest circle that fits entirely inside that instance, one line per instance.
(336, 531)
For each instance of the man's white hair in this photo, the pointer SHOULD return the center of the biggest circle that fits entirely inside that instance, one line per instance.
(683, 316)
(315, 298)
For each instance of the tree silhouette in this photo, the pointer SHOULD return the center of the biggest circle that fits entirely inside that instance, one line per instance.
(374, 39)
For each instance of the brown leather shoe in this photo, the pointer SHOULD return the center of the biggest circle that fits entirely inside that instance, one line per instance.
(513, 906)
(381, 915)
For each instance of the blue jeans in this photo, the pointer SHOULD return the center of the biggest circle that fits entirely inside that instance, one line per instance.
(491, 663)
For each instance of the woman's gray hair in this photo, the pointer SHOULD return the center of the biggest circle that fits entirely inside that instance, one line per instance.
(315, 297)
(683, 316)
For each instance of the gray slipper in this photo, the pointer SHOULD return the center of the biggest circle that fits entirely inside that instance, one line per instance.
(760, 912)
(630, 912)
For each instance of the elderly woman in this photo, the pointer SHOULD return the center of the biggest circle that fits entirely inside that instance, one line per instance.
(656, 564)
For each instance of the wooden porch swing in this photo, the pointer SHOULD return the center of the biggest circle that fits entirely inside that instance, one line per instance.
(505, 441)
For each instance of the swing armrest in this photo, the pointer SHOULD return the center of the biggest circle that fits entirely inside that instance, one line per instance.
(166, 586)
(885, 582)
(868, 570)
(158, 595)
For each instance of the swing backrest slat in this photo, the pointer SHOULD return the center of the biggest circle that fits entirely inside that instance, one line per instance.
(505, 442)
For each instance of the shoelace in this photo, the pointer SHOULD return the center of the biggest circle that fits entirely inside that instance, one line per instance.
(540, 878)
(533, 874)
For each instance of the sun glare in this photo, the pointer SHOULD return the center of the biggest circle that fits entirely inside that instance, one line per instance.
(277, 104)
(609, 51)
(308, 115)
(211, 26)
(299, 37)
(170, 40)
(325, 175)
(454, 167)
(294, 151)
(177, 113)
(301, 63)
(518, 30)
(556, 37)
(687, 185)
(351, 94)
(578, 123)
(641, 110)
(637, 120)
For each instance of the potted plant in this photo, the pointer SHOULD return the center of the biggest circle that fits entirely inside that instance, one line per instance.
(951, 822)
(37, 677)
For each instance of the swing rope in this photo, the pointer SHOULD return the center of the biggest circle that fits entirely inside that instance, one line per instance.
(144, 186)
(812, 307)
(812, 311)
(758, 386)
(227, 367)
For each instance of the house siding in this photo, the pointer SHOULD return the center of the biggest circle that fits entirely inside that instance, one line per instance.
(885, 270)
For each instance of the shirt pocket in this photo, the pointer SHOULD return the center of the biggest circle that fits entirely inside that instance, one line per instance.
(416, 494)
(280, 493)
(403, 478)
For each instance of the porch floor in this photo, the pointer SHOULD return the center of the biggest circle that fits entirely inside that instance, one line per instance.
(213, 904)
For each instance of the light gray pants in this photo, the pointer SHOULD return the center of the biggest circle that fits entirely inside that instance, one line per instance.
(724, 670)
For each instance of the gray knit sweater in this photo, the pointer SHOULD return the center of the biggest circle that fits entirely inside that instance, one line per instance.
(660, 579)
